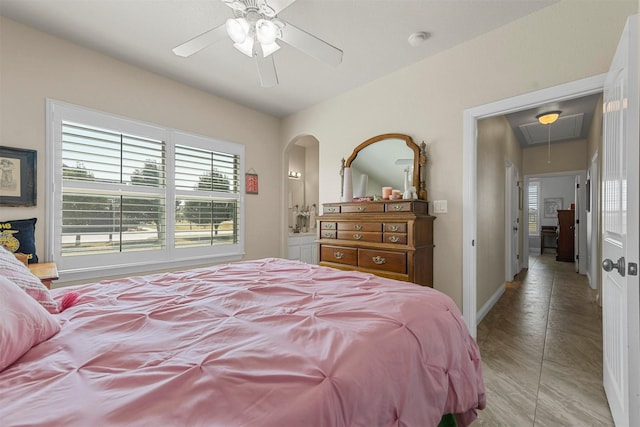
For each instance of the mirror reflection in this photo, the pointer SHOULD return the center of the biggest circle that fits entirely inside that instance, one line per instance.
(387, 160)
(385, 163)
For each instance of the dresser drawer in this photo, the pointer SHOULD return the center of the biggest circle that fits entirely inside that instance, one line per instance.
(398, 207)
(395, 227)
(360, 226)
(328, 234)
(363, 207)
(341, 255)
(327, 225)
(330, 209)
(397, 238)
(395, 262)
(360, 236)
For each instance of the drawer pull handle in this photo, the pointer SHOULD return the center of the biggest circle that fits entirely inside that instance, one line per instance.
(331, 209)
(361, 208)
(394, 239)
(357, 236)
(357, 227)
(327, 234)
(379, 260)
(394, 228)
(397, 207)
(338, 255)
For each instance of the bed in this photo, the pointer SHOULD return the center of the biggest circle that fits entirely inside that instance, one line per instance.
(267, 342)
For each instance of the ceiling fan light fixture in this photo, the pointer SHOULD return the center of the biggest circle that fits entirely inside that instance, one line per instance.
(245, 47)
(236, 5)
(267, 32)
(265, 9)
(238, 29)
(549, 117)
(268, 49)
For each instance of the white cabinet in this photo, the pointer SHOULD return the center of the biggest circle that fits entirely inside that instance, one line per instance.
(303, 247)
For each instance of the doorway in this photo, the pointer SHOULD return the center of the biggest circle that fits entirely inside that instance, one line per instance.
(563, 92)
(301, 188)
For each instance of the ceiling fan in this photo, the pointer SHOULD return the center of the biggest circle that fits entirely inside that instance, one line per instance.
(255, 30)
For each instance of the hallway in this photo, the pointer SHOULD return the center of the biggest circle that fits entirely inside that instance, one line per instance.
(541, 347)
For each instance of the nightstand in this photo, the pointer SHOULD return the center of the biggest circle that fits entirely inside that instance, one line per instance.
(45, 271)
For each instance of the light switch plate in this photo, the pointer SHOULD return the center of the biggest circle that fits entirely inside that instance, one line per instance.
(439, 206)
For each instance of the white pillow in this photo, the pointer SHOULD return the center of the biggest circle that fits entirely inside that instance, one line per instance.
(23, 323)
(18, 273)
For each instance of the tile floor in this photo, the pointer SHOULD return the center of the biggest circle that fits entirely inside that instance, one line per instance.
(541, 346)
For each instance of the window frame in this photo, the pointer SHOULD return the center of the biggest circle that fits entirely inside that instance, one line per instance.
(536, 232)
(91, 266)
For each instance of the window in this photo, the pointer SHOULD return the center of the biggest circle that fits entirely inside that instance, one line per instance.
(534, 211)
(134, 196)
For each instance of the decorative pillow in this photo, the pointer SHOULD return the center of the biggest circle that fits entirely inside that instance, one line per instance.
(19, 236)
(23, 323)
(18, 273)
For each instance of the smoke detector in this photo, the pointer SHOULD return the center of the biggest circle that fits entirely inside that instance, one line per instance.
(417, 38)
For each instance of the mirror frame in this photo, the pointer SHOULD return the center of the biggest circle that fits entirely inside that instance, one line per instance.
(419, 159)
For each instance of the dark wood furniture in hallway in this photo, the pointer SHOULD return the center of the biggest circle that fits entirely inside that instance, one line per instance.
(545, 232)
(566, 226)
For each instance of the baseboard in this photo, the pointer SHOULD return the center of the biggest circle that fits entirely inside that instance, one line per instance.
(489, 304)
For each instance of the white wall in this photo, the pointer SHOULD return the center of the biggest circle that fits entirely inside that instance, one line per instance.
(427, 100)
(554, 187)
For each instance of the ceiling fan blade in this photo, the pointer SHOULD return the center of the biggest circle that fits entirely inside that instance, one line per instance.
(198, 43)
(311, 45)
(267, 71)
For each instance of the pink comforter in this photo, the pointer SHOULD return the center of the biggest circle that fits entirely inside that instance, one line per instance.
(258, 343)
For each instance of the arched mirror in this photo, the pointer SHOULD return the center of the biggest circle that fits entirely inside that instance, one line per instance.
(383, 161)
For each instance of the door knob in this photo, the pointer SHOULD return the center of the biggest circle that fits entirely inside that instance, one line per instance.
(609, 265)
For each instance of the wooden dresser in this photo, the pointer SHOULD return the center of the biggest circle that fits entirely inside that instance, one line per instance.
(566, 226)
(388, 238)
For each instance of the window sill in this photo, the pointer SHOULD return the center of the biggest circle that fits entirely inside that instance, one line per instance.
(87, 275)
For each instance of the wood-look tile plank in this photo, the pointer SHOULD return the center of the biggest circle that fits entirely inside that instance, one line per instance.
(570, 397)
(541, 347)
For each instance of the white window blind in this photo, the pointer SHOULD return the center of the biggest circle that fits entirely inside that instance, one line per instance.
(113, 197)
(534, 207)
(132, 196)
(207, 183)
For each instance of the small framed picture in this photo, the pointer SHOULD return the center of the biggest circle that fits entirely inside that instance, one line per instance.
(18, 179)
(551, 206)
(251, 182)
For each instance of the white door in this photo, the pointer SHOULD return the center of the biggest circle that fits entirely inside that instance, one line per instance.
(620, 185)
(512, 200)
(591, 204)
(576, 225)
(515, 225)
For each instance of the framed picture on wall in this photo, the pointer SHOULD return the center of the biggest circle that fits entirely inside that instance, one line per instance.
(251, 182)
(551, 206)
(17, 177)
